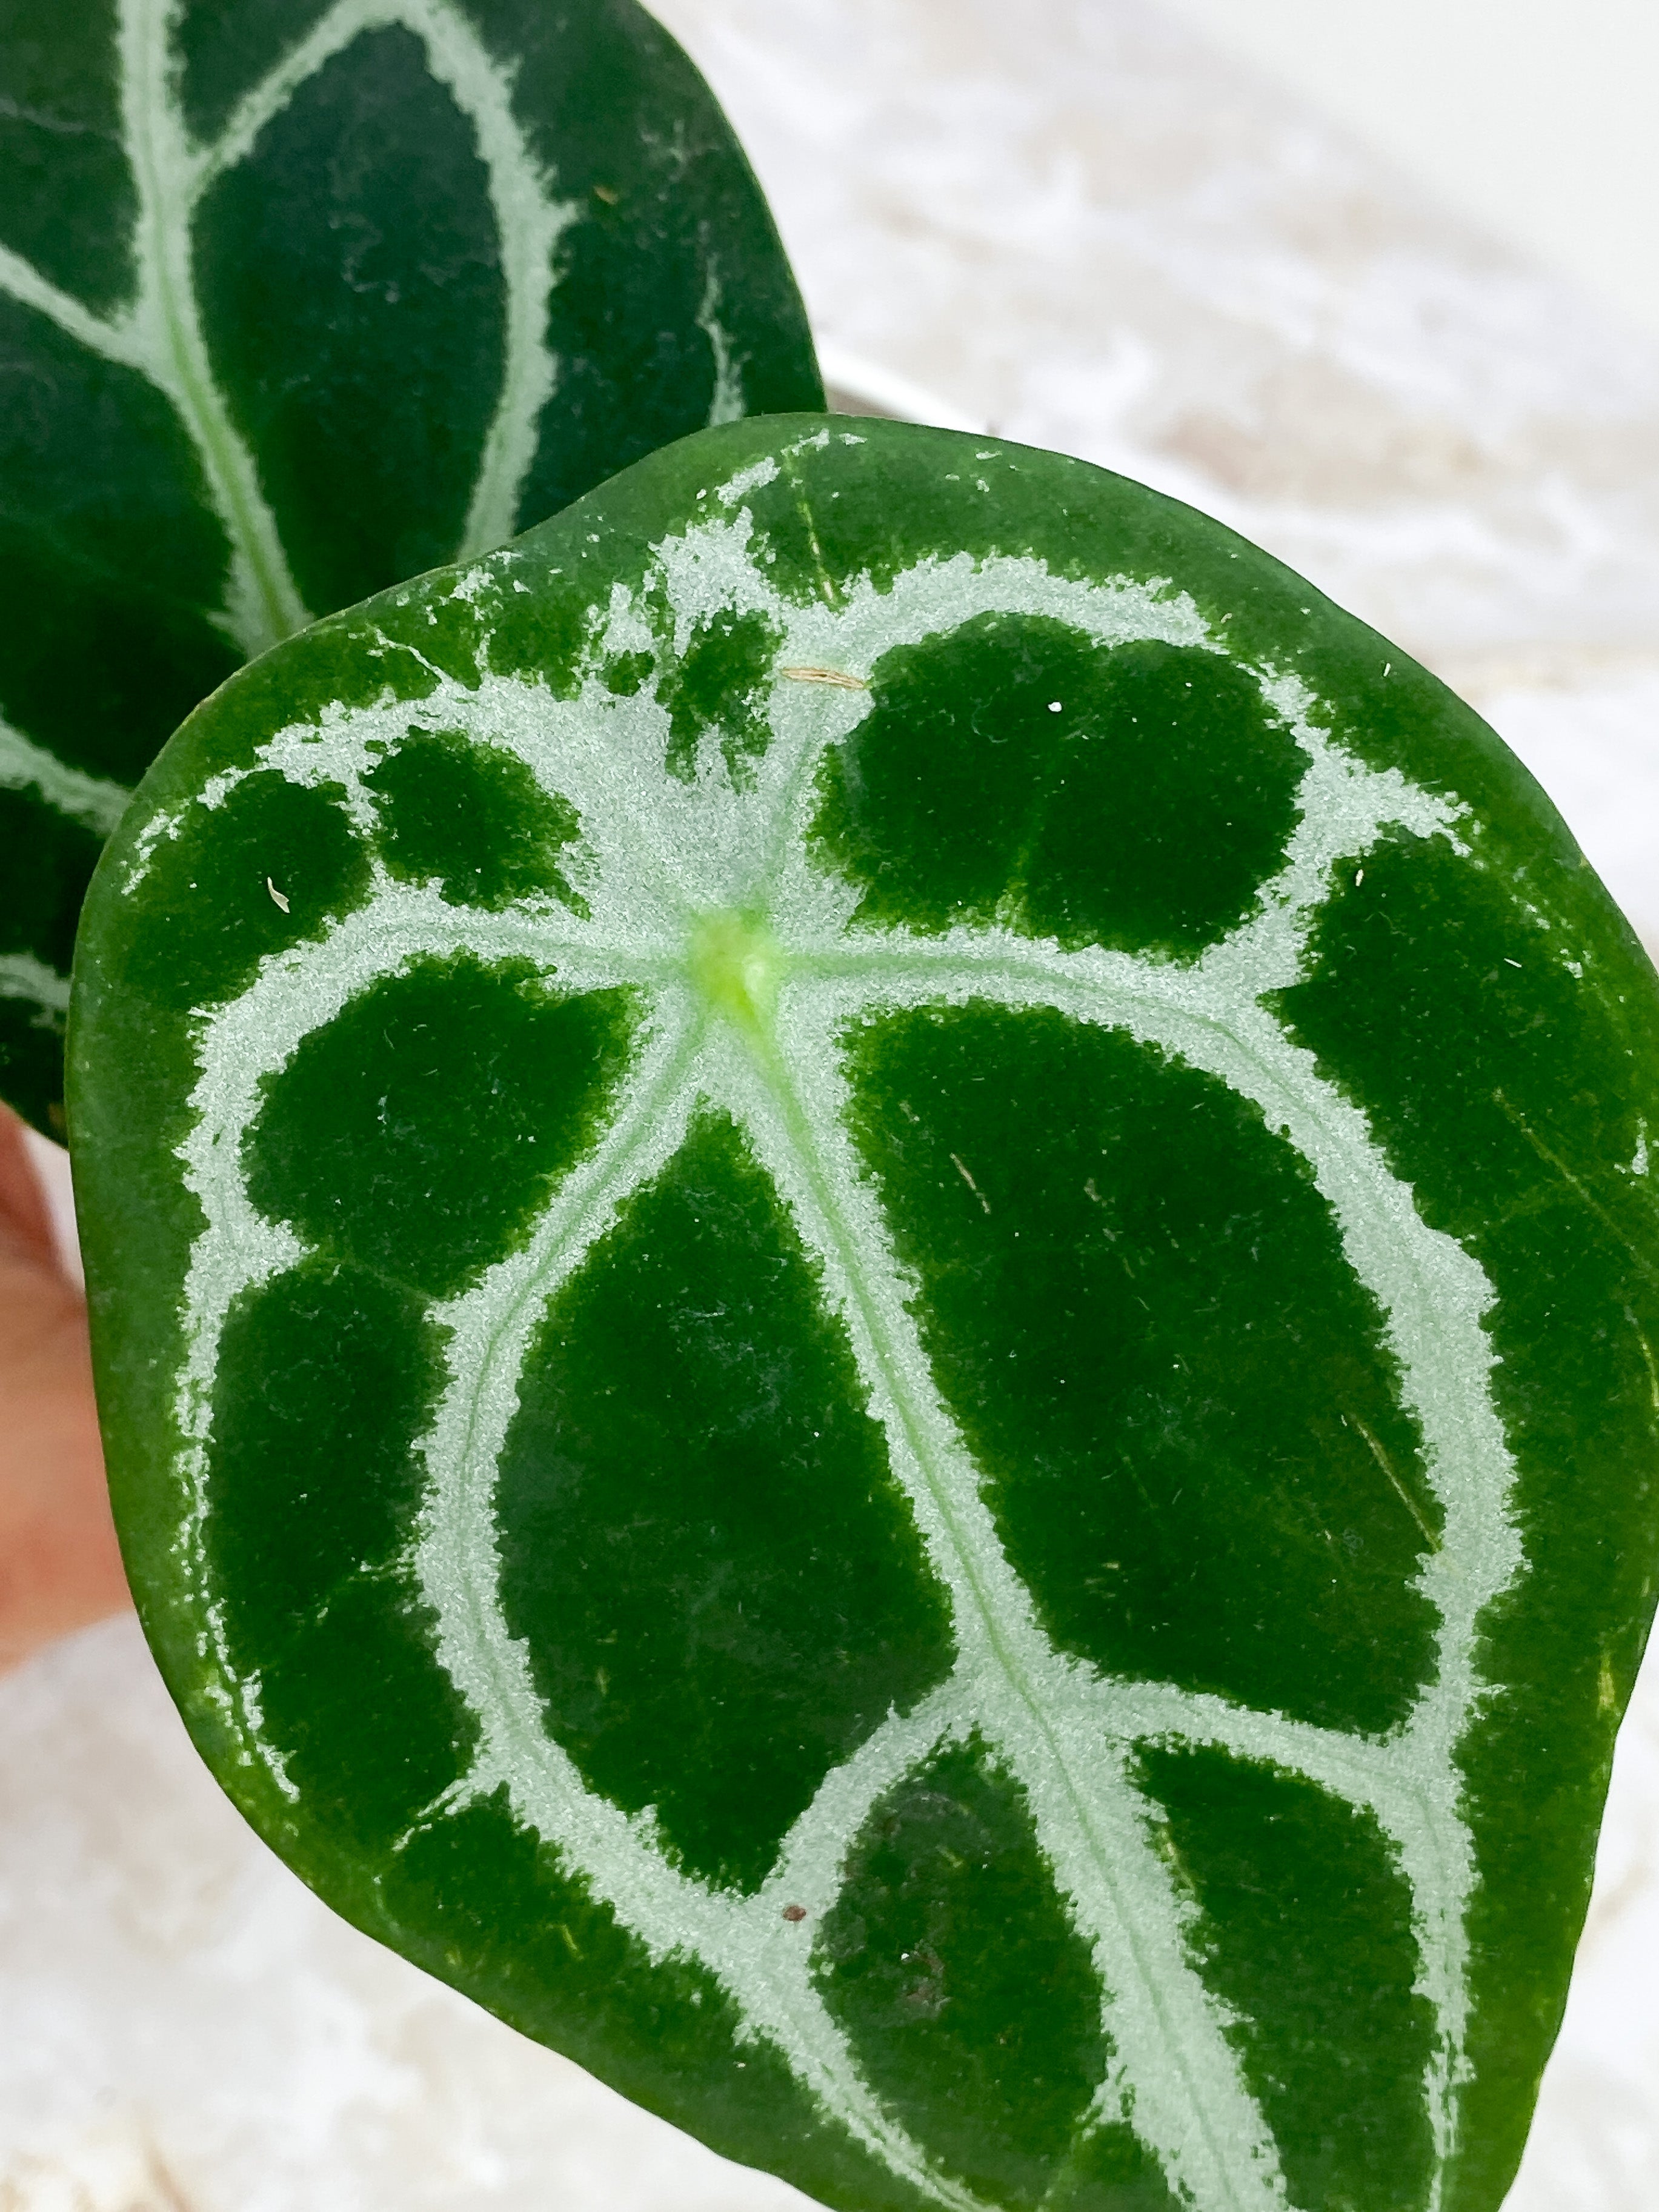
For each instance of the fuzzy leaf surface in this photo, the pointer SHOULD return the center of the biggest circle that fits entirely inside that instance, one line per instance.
(874, 1266)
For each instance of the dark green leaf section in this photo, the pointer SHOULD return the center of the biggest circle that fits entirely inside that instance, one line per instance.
(1140, 1312)
(419, 1132)
(66, 196)
(482, 1903)
(1306, 1936)
(702, 1545)
(473, 818)
(48, 858)
(1440, 1005)
(970, 2001)
(625, 674)
(44, 855)
(224, 51)
(327, 1377)
(349, 273)
(1107, 2169)
(720, 683)
(208, 916)
(109, 558)
(1135, 795)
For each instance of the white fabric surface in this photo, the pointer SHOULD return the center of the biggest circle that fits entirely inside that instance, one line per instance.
(1072, 223)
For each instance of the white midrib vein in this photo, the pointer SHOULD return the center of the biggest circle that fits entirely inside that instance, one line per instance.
(745, 1943)
(1064, 1731)
(1091, 1822)
(164, 326)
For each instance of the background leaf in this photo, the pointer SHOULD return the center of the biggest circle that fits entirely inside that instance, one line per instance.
(296, 301)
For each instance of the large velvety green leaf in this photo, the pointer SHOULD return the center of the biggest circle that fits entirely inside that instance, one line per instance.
(297, 298)
(876, 1271)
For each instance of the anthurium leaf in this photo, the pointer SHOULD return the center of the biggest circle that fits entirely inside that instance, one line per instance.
(876, 1276)
(295, 301)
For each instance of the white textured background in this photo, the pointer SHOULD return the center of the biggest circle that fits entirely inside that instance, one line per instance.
(1075, 223)
(1536, 116)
